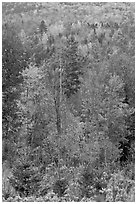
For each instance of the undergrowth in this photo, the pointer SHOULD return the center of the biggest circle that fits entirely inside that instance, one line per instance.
(78, 184)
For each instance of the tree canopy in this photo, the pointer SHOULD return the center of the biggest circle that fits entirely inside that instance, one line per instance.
(68, 85)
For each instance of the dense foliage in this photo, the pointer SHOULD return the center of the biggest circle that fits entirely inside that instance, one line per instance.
(68, 83)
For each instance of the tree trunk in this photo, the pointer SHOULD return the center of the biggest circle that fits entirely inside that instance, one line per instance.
(57, 100)
(58, 115)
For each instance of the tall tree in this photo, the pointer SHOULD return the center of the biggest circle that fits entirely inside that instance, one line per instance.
(104, 113)
(72, 67)
(13, 62)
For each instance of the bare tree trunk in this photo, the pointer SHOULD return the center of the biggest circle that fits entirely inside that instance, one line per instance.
(57, 100)
(58, 115)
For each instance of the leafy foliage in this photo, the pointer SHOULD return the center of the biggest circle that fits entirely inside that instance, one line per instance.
(68, 102)
(119, 188)
(13, 62)
(25, 179)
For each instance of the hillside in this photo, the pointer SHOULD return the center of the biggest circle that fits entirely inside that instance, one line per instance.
(68, 103)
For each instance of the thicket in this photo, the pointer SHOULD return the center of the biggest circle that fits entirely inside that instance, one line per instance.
(68, 83)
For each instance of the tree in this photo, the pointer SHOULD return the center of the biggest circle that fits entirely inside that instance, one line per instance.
(72, 67)
(13, 62)
(104, 113)
(25, 179)
(43, 27)
(38, 113)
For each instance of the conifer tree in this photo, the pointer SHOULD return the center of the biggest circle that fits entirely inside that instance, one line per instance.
(72, 68)
(13, 62)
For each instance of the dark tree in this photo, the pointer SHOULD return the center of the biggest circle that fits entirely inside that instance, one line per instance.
(73, 64)
(43, 27)
(13, 62)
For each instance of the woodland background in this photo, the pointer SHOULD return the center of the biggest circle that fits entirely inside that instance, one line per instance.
(68, 103)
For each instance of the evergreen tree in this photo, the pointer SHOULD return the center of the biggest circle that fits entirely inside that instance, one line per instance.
(13, 62)
(72, 67)
(25, 178)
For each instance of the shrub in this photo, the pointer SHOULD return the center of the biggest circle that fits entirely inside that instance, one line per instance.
(73, 192)
(25, 179)
(120, 188)
(60, 187)
(93, 180)
(7, 189)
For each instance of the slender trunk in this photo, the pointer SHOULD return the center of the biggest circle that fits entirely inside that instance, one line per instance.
(105, 155)
(57, 100)
(58, 116)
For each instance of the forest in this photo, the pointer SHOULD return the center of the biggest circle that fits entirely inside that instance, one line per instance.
(68, 102)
